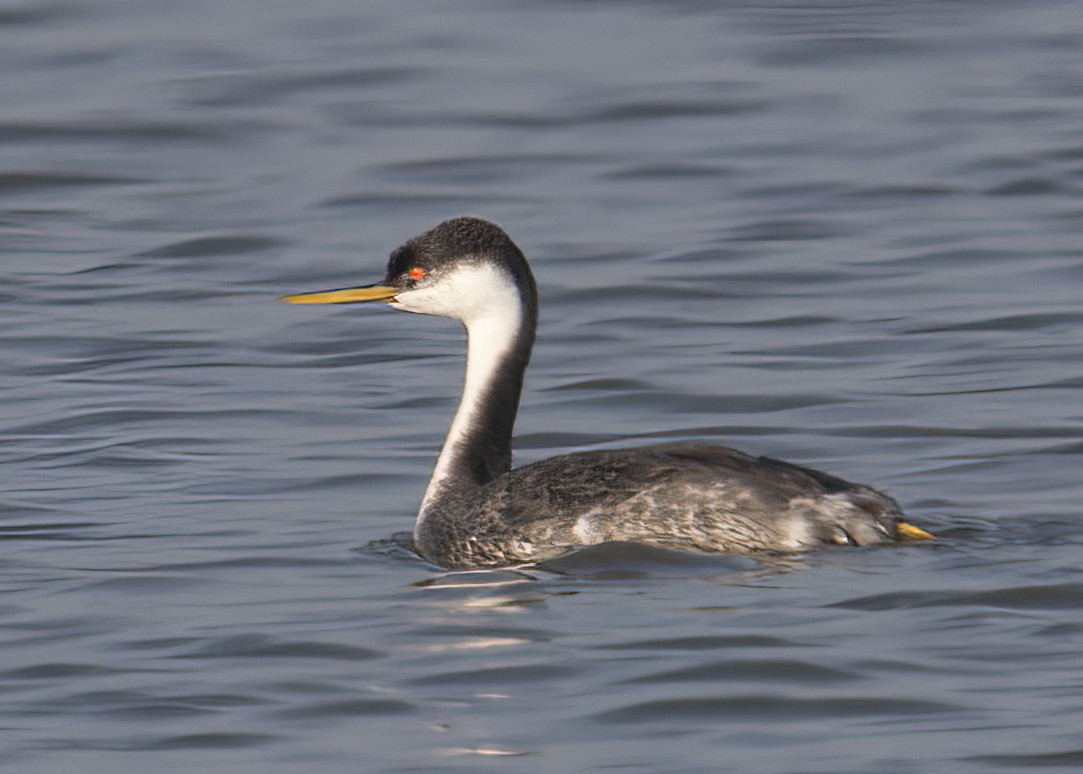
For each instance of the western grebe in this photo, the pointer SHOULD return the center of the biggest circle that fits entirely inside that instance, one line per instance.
(479, 512)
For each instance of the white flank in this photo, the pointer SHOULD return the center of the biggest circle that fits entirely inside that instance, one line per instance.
(585, 530)
(798, 534)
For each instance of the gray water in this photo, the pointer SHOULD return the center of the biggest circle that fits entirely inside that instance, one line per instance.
(843, 233)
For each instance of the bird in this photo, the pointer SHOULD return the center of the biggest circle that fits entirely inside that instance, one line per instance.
(479, 512)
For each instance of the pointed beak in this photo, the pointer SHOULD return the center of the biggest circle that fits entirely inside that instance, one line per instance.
(906, 531)
(356, 295)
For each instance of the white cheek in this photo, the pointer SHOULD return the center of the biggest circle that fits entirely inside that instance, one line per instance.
(469, 292)
(421, 300)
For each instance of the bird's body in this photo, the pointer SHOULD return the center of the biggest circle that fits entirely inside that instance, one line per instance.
(689, 496)
(479, 512)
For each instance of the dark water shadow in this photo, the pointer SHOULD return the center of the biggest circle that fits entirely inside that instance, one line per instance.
(613, 561)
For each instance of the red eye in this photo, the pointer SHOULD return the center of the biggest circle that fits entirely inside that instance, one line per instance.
(417, 273)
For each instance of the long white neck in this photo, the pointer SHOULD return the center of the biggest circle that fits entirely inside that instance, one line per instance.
(477, 450)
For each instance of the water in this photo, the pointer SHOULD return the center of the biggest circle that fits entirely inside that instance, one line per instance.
(842, 233)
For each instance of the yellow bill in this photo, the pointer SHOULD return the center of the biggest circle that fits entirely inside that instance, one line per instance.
(906, 531)
(344, 295)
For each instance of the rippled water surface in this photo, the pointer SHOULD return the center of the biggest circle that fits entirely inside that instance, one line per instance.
(842, 233)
